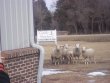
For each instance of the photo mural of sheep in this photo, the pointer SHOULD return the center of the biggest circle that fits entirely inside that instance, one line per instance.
(65, 54)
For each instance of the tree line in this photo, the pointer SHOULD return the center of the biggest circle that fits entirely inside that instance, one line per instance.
(74, 16)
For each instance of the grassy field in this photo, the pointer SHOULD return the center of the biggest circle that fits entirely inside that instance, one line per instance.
(101, 43)
(102, 49)
(89, 38)
(79, 71)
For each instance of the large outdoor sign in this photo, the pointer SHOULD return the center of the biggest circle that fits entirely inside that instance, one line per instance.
(46, 36)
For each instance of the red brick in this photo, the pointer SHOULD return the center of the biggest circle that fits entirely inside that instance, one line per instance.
(22, 66)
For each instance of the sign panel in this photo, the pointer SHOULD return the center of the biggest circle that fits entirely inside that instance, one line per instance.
(46, 36)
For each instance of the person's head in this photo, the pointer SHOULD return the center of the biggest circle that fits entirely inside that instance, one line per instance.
(77, 45)
(1, 66)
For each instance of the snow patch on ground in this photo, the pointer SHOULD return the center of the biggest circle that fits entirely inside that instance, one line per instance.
(53, 71)
(91, 81)
(96, 74)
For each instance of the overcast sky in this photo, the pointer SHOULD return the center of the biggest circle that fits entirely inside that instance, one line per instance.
(51, 4)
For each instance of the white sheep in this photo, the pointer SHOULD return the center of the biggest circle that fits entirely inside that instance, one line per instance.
(66, 54)
(70, 56)
(56, 55)
(63, 50)
(76, 52)
(88, 55)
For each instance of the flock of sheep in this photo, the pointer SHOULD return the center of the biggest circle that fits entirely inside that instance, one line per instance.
(65, 54)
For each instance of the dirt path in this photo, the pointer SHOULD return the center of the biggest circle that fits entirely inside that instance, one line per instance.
(79, 73)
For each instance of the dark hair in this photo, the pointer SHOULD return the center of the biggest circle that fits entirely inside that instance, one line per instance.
(4, 78)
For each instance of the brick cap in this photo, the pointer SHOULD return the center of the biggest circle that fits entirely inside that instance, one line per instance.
(18, 52)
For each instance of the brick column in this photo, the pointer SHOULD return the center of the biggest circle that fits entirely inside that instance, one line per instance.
(22, 64)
